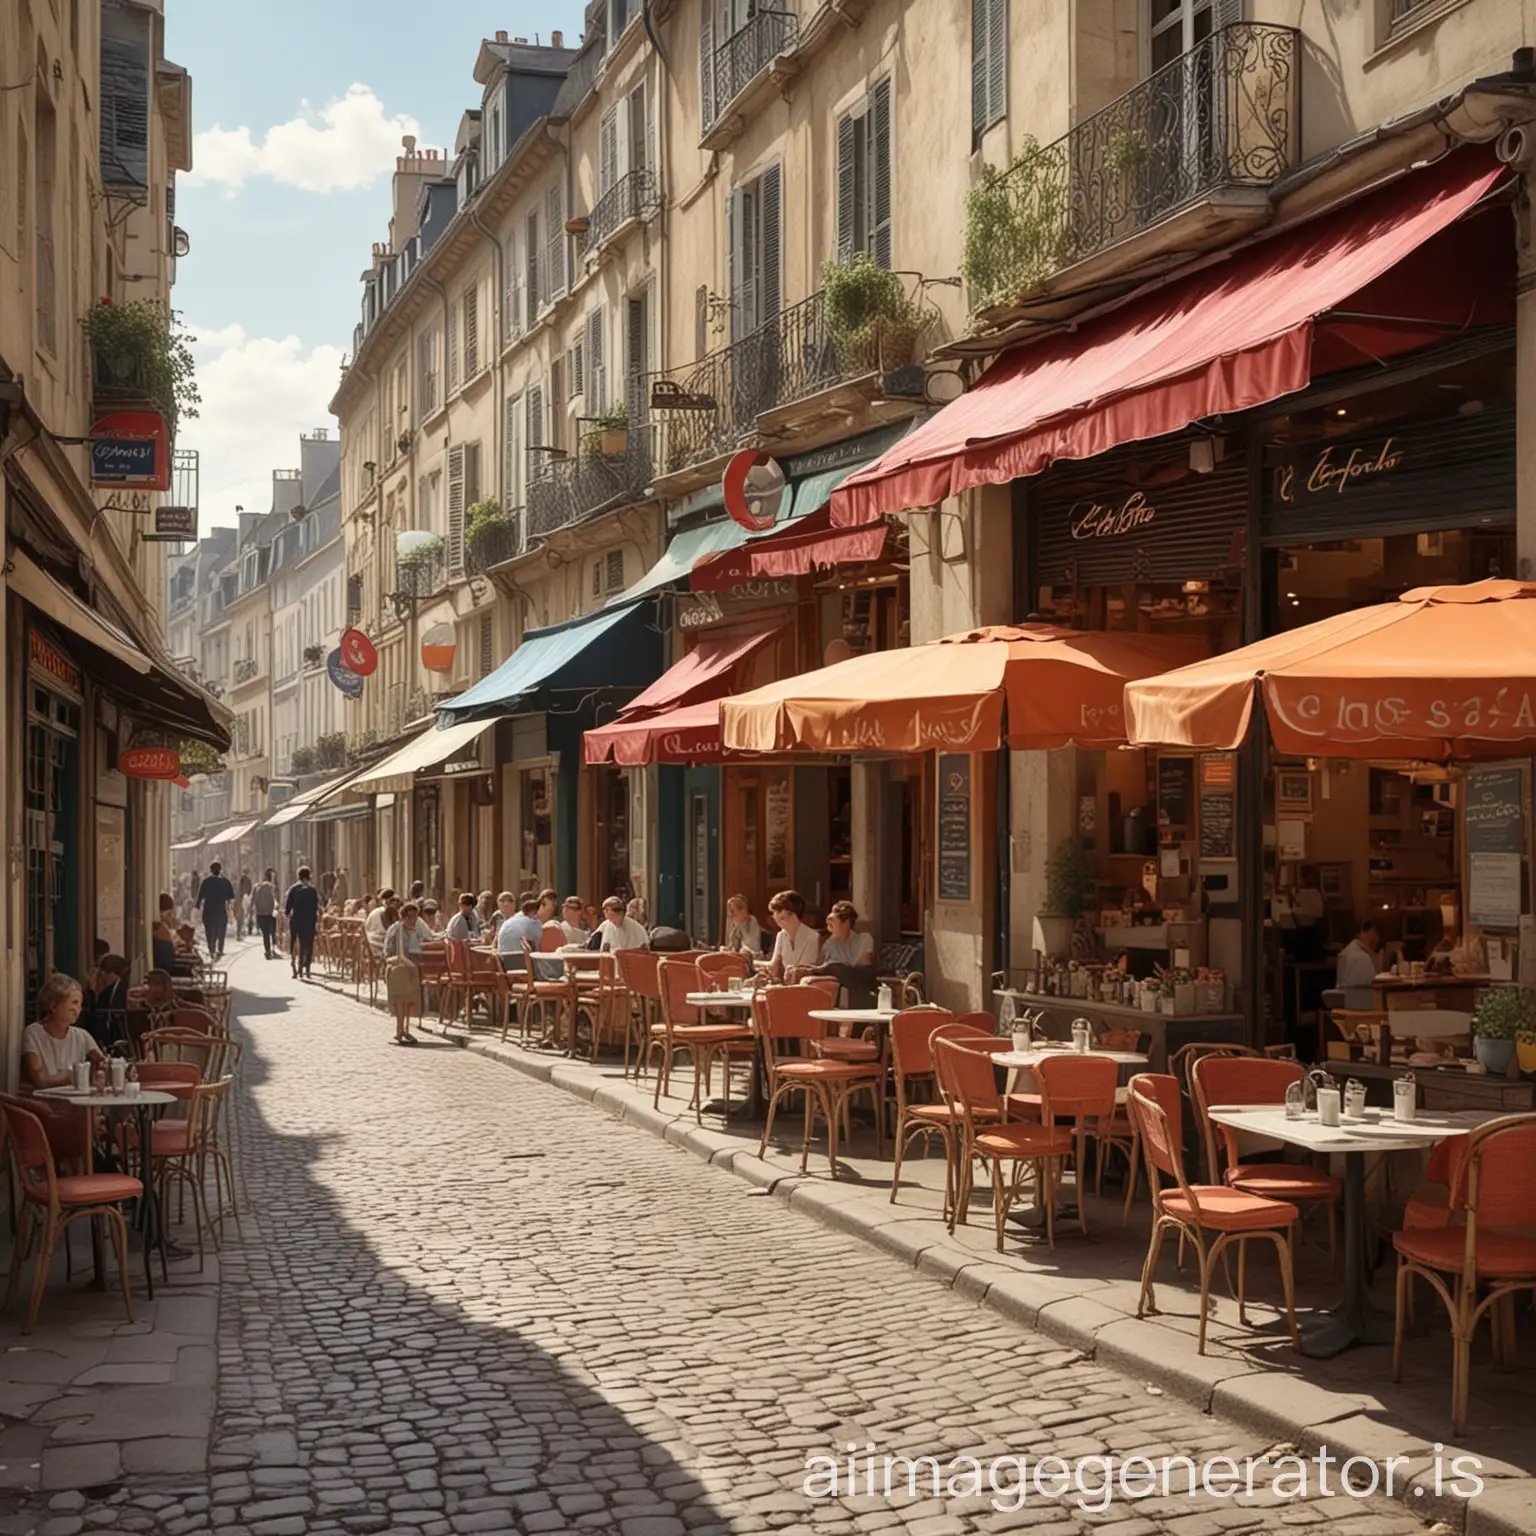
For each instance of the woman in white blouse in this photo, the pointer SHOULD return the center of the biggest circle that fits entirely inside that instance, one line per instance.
(797, 943)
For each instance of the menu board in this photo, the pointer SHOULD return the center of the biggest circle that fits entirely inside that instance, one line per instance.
(1175, 791)
(1218, 805)
(1495, 817)
(954, 826)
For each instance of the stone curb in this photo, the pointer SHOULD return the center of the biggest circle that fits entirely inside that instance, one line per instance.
(1276, 1408)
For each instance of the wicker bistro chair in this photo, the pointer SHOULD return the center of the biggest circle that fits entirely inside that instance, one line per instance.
(715, 969)
(1180, 1067)
(912, 1068)
(49, 1202)
(1198, 1211)
(1478, 1268)
(214, 1056)
(1257, 1080)
(433, 966)
(637, 970)
(681, 1030)
(785, 1018)
(535, 999)
(604, 998)
(968, 1081)
(1082, 1089)
(183, 1151)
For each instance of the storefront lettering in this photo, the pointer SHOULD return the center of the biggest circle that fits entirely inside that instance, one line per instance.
(1330, 476)
(1100, 520)
(705, 608)
(1502, 713)
(52, 664)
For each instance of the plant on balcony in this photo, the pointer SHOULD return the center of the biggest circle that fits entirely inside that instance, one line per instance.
(607, 436)
(303, 760)
(1016, 226)
(1127, 151)
(141, 347)
(331, 750)
(487, 529)
(314, 655)
(872, 322)
(421, 556)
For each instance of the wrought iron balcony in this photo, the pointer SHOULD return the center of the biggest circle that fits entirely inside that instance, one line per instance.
(564, 491)
(420, 575)
(1225, 115)
(633, 196)
(245, 669)
(734, 63)
(492, 541)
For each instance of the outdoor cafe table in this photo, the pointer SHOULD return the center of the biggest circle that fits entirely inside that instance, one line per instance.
(1355, 1320)
(742, 1002)
(142, 1103)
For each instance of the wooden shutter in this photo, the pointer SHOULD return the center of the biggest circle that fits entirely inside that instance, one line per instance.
(735, 262)
(638, 338)
(846, 189)
(997, 60)
(453, 347)
(512, 299)
(707, 76)
(471, 473)
(880, 172)
(532, 256)
(554, 218)
(471, 331)
(557, 402)
(613, 573)
(597, 373)
(701, 320)
(511, 445)
(578, 357)
(456, 505)
(487, 657)
(123, 106)
(1228, 12)
(768, 222)
(608, 151)
(535, 402)
(426, 385)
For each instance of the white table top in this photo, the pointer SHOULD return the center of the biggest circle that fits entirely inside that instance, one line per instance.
(1376, 1132)
(854, 1015)
(1036, 1054)
(719, 999)
(108, 1100)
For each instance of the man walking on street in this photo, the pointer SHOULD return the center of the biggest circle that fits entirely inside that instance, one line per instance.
(213, 898)
(264, 905)
(245, 925)
(302, 904)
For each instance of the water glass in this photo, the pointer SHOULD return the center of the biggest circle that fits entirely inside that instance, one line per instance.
(1295, 1102)
(82, 1071)
(1405, 1099)
(1328, 1106)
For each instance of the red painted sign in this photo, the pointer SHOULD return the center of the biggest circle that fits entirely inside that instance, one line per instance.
(150, 763)
(132, 450)
(765, 492)
(48, 661)
(358, 654)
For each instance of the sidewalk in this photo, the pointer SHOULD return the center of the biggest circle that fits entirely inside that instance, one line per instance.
(1084, 1295)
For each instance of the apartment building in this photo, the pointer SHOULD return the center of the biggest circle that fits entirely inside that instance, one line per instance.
(94, 127)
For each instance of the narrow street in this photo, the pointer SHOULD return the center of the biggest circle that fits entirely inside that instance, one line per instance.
(465, 1301)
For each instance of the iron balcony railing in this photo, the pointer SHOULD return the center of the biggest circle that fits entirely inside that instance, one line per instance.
(423, 573)
(1225, 114)
(633, 196)
(737, 61)
(564, 491)
(245, 669)
(493, 541)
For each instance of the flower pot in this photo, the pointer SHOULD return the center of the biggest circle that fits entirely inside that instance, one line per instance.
(1054, 932)
(1525, 1050)
(1494, 1054)
(613, 442)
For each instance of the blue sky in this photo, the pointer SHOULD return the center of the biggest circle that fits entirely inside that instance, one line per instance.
(281, 223)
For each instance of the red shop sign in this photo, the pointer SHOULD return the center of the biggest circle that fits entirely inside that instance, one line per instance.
(753, 488)
(358, 654)
(150, 763)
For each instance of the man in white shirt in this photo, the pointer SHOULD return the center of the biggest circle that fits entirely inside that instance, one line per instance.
(465, 924)
(374, 925)
(573, 921)
(1358, 959)
(620, 931)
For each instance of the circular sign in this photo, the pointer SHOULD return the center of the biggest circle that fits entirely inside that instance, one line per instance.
(437, 648)
(357, 653)
(342, 676)
(753, 487)
(150, 763)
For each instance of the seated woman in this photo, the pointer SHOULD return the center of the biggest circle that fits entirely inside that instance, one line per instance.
(796, 945)
(743, 932)
(51, 1047)
(848, 955)
(163, 940)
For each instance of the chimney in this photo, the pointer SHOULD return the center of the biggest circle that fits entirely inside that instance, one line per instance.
(501, 35)
(557, 40)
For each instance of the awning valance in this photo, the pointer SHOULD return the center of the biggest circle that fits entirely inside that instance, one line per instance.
(798, 550)
(1232, 335)
(352, 811)
(234, 832)
(435, 745)
(688, 734)
(191, 842)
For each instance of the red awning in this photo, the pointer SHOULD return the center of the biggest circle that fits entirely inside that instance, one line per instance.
(1230, 336)
(807, 544)
(705, 672)
(688, 734)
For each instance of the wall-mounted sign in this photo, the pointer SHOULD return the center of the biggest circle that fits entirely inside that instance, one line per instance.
(1218, 805)
(753, 486)
(131, 448)
(1107, 520)
(358, 654)
(437, 648)
(1495, 813)
(53, 664)
(701, 610)
(954, 784)
(150, 763)
(173, 525)
(342, 676)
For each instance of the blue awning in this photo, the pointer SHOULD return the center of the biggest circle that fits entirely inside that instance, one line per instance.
(565, 653)
(688, 548)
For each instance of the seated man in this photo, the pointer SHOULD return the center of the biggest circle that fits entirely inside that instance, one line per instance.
(465, 924)
(107, 1006)
(619, 930)
(522, 924)
(1358, 963)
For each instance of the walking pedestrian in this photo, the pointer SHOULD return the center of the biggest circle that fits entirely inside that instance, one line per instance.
(244, 917)
(339, 889)
(214, 896)
(302, 904)
(264, 906)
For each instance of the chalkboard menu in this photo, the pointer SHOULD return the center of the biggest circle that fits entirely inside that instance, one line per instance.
(1495, 799)
(1175, 791)
(1218, 806)
(954, 826)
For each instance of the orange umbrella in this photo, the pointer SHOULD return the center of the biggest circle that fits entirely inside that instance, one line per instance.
(1062, 687)
(1443, 672)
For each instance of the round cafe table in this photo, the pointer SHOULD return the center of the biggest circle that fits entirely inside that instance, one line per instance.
(142, 1103)
(738, 1002)
(1355, 1320)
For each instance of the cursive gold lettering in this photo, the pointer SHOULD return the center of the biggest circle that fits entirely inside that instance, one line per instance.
(1098, 520)
(1329, 475)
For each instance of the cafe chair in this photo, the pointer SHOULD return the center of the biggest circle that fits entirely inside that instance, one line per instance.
(1202, 1211)
(919, 1112)
(551, 939)
(716, 970)
(1031, 1152)
(1476, 1268)
(791, 1038)
(1245, 1080)
(1180, 1064)
(432, 963)
(214, 1056)
(535, 998)
(637, 970)
(1081, 1088)
(681, 1030)
(50, 1202)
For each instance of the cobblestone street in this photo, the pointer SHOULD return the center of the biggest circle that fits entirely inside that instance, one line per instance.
(466, 1302)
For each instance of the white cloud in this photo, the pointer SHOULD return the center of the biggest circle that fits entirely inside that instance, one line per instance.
(259, 393)
(346, 144)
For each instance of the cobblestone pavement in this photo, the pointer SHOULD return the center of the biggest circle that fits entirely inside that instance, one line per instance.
(465, 1301)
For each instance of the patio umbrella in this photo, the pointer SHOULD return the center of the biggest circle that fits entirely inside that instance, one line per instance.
(1061, 687)
(1443, 672)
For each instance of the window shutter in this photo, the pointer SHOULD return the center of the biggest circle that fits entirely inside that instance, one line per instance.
(511, 307)
(1228, 12)
(769, 223)
(124, 98)
(578, 356)
(487, 656)
(597, 374)
(649, 140)
(557, 402)
(880, 153)
(512, 483)
(555, 219)
(638, 337)
(980, 71)
(736, 267)
(613, 575)
(533, 268)
(608, 150)
(535, 399)
(425, 398)
(707, 75)
(997, 60)
(846, 190)
(701, 320)
(471, 473)
(453, 347)
(471, 331)
(456, 505)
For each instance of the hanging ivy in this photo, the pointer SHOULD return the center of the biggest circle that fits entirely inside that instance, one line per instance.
(142, 344)
(1016, 226)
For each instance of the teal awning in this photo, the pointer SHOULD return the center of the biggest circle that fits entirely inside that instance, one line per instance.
(688, 548)
(569, 653)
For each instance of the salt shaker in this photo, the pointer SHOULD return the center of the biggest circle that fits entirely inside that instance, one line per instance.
(1405, 1098)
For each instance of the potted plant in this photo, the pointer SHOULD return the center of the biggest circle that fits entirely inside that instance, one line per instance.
(608, 435)
(872, 322)
(424, 549)
(488, 528)
(1069, 890)
(139, 350)
(1017, 225)
(314, 655)
(1502, 1014)
(303, 760)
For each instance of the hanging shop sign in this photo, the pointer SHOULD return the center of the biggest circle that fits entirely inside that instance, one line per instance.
(150, 763)
(342, 676)
(131, 448)
(358, 654)
(173, 525)
(1454, 472)
(437, 648)
(53, 663)
(753, 485)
